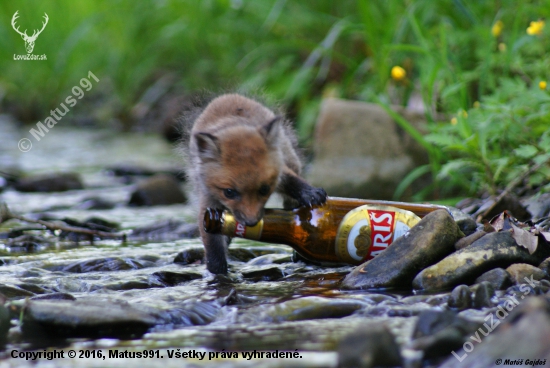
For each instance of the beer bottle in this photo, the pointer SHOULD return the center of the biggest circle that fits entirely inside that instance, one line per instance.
(340, 231)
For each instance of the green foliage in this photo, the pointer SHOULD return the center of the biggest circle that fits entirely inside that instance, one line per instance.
(491, 145)
(299, 52)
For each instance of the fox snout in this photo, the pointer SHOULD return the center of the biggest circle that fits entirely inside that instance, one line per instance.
(249, 219)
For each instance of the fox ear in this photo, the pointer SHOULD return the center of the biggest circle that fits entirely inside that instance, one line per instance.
(208, 146)
(270, 131)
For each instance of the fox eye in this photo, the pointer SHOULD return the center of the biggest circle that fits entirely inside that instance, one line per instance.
(264, 190)
(230, 193)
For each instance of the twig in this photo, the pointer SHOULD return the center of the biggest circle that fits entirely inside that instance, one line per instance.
(511, 186)
(6, 214)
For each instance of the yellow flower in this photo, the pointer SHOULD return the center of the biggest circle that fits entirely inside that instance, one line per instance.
(464, 114)
(502, 47)
(496, 30)
(398, 73)
(477, 104)
(542, 85)
(454, 121)
(535, 28)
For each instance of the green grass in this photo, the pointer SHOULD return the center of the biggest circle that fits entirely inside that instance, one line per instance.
(298, 52)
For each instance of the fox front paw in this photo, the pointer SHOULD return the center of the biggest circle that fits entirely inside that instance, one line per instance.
(312, 196)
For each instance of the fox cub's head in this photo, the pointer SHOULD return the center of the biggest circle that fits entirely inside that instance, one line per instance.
(240, 166)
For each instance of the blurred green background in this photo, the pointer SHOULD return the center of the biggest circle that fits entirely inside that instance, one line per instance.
(473, 64)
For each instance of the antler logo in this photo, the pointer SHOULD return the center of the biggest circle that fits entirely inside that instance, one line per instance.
(29, 40)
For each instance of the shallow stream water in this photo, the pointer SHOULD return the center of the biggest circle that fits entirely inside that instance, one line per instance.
(267, 303)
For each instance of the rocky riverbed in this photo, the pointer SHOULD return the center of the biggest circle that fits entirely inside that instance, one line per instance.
(148, 299)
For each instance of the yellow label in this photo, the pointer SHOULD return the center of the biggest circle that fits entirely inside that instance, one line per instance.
(233, 228)
(368, 230)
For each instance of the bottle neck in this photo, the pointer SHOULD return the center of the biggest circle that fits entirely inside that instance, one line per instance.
(231, 227)
(276, 225)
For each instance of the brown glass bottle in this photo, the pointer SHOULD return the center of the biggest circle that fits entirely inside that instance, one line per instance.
(343, 230)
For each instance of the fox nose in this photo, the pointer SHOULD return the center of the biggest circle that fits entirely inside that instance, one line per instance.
(251, 223)
(249, 219)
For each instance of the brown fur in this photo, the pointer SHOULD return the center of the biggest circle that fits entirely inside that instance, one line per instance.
(238, 145)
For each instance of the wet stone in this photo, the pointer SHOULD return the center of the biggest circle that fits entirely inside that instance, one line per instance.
(461, 298)
(262, 273)
(438, 333)
(508, 203)
(190, 256)
(54, 296)
(538, 205)
(105, 264)
(165, 230)
(498, 249)
(270, 259)
(545, 266)
(306, 308)
(426, 243)
(14, 292)
(95, 203)
(86, 318)
(373, 347)
(241, 254)
(483, 295)
(520, 271)
(59, 182)
(27, 243)
(498, 277)
(523, 334)
(132, 285)
(465, 223)
(160, 189)
(5, 323)
(168, 278)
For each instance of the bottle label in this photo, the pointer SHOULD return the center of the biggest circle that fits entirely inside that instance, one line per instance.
(368, 230)
(233, 228)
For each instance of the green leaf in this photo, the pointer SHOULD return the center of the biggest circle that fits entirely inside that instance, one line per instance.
(526, 151)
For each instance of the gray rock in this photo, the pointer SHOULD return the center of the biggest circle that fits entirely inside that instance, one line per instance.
(545, 267)
(270, 259)
(523, 334)
(519, 271)
(483, 294)
(161, 189)
(498, 277)
(497, 249)
(240, 254)
(4, 324)
(461, 298)
(49, 183)
(14, 292)
(311, 307)
(190, 256)
(54, 296)
(262, 273)
(468, 240)
(168, 278)
(466, 224)
(437, 333)
(105, 264)
(65, 318)
(426, 243)
(166, 230)
(373, 347)
(538, 205)
(361, 152)
(508, 203)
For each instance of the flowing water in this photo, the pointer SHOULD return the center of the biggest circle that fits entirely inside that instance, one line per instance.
(267, 303)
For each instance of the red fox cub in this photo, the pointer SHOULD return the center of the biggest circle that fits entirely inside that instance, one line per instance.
(240, 152)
